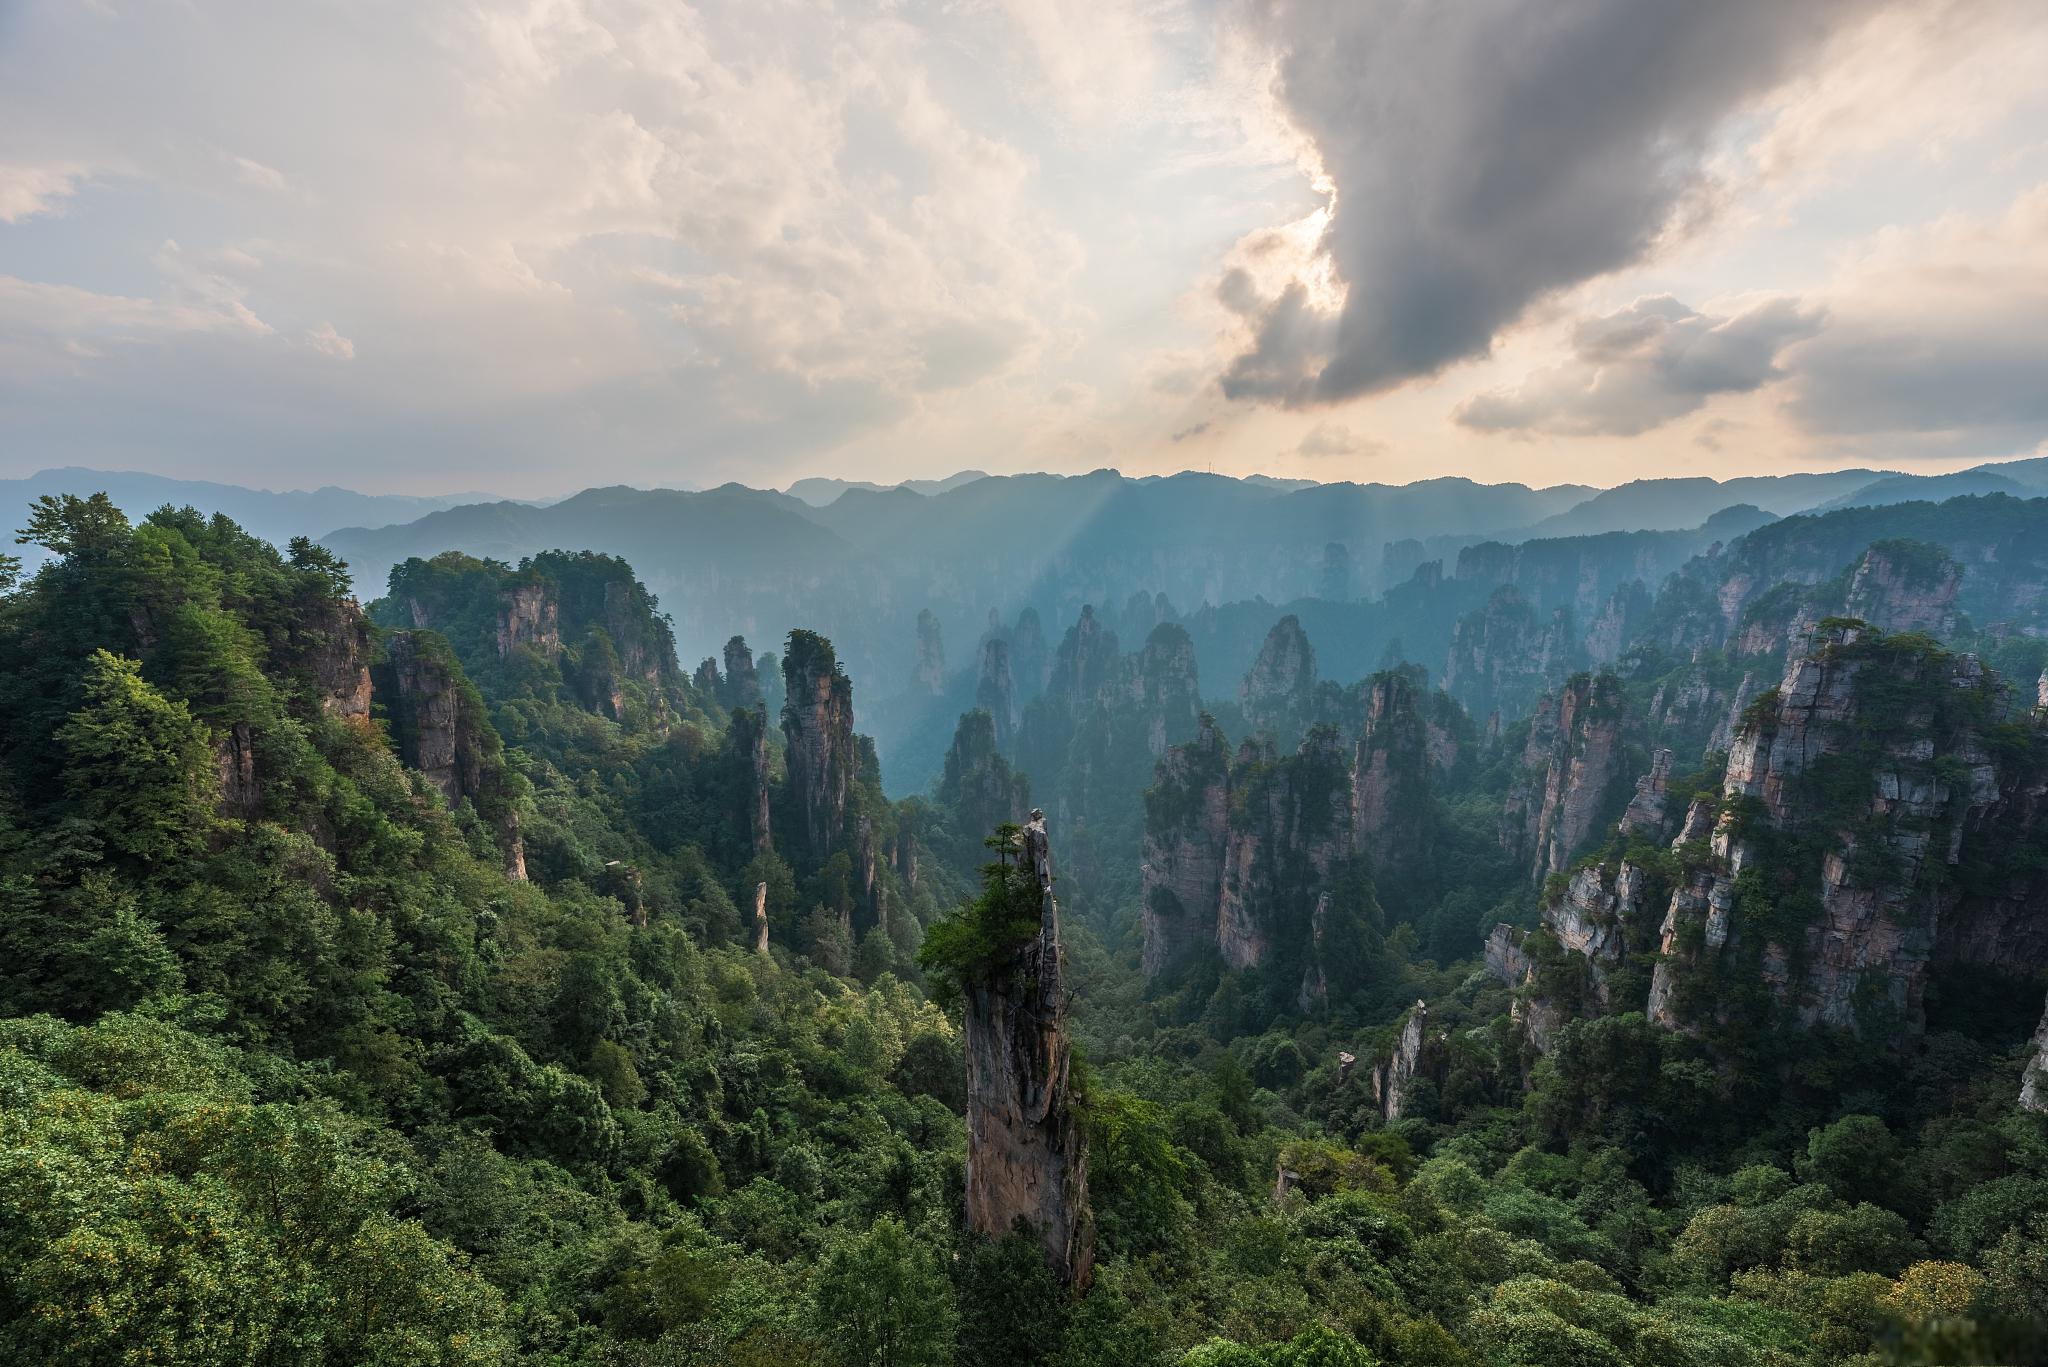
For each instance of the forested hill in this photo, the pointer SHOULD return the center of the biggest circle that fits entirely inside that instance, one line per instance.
(461, 979)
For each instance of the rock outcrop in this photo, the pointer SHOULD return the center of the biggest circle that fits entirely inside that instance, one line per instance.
(977, 784)
(1645, 812)
(528, 615)
(928, 676)
(823, 757)
(1161, 684)
(1237, 853)
(1087, 660)
(1507, 653)
(1416, 1054)
(741, 684)
(1030, 662)
(1278, 695)
(1905, 586)
(1616, 625)
(1868, 830)
(331, 647)
(995, 690)
(1399, 751)
(1187, 822)
(442, 730)
(2034, 1081)
(1027, 1157)
(746, 740)
(1569, 769)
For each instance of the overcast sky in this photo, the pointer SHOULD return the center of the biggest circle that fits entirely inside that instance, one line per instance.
(532, 245)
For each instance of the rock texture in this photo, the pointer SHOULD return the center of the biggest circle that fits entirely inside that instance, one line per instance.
(1398, 753)
(1237, 852)
(1569, 768)
(1187, 822)
(1027, 1156)
(746, 739)
(929, 674)
(1290, 825)
(995, 690)
(1865, 789)
(1030, 661)
(332, 647)
(1645, 813)
(528, 615)
(2034, 1081)
(823, 757)
(1086, 662)
(977, 784)
(1905, 586)
(1416, 1054)
(443, 731)
(1278, 695)
(1507, 653)
(741, 684)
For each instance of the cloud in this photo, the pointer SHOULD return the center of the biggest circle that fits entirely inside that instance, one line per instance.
(1938, 333)
(325, 340)
(1328, 438)
(1642, 366)
(26, 191)
(1485, 154)
(703, 231)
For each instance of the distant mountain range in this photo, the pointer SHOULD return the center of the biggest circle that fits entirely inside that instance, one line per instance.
(820, 491)
(858, 561)
(275, 516)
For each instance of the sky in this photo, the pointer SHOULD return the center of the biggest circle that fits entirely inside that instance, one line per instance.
(533, 245)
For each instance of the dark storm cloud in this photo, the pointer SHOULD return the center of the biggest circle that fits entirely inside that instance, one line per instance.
(1488, 152)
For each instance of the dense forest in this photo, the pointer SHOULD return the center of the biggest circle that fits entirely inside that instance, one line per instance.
(460, 978)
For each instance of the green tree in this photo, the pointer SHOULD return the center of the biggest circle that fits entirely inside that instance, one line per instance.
(880, 1300)
(140, 766)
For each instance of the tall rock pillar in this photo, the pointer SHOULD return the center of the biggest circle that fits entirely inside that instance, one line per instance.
(1026, 1156)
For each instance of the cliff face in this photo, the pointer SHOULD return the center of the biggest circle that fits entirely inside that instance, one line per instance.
(1160, 682)
(1290, 824)
(1279, 693)
(1645, 814)
(1868, 830)
(528, 615)
(929, 673)
(1905, 586)
(1417, 1054)
(1618, 623)
(977, 783)
(1237, 853)
(823, 756)
(2034, 1081)
(332, 647)
(1507, 653)
(1187, 820)
(746, 739)
(1027, 1157)
(1030, 663)
(995, 691)
(1086, 662)
(1569, 768)
(1390, 774)
(741, 685)
(443, 731)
